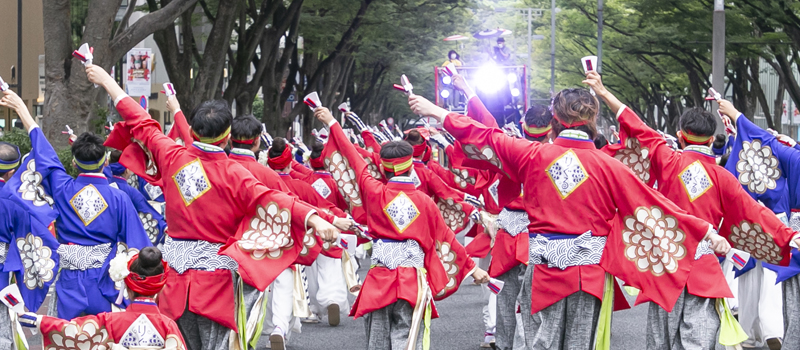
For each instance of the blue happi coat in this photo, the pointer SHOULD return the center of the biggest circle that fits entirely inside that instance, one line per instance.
(152, 221)
(769, 171)
(95, 222)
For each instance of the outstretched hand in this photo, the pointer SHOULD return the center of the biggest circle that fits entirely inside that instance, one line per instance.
(12, 100)
(324, 229)
(324, 115)
(98, 75)
(173, 105)
(421, 106)
(596, 83)
(727, 108)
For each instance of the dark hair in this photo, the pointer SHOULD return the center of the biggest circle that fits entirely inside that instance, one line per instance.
(413, 137)
(724, 159)
(278, 145)
(574, 105)
(211, 118)
(316, 152)
(719, 141)
(698, 121)
(537, 116)
(600, 141)
(148, 263)
(8, 153)
(395, 149)
(244, 127)
(114, 156)
(458, 57)
(88, 148)
(501, 39)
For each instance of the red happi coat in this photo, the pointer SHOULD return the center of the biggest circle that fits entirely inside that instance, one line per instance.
(312, 244)
(693, 180)
(300, 171)
(449, 200)
(446, 262)
(571, 188)
(221, 202)
(322, 180)
(141, 319)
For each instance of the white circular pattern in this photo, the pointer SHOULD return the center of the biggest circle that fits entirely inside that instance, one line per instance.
(452, 213)
(751, 238)
(653, 241)
(36, 260)
(757, 167)
(635, 157)
(486, 154)
(448, 258)
(31, 187)
(269, 233)
(345, 177)
(89, 336)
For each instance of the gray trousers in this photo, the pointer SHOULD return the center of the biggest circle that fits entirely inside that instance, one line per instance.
(791, 313)
(507, 307)
(201, 333)
(250, 294)
(692, 324)
(569, 324)
(6, 330)
(388, 328)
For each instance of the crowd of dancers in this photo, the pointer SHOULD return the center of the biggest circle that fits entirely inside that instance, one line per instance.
(208, 236)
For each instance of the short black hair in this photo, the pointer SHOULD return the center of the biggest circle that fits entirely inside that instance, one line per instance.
(8, 153)
(88, 148)
(538, 116)
(211, 118)
(600, 141)
(719, 141)
(148, 263)
(114, 156)
(395, 149)
(316, 152)
(413, 137)
(278, 146)
(244, 127)
(698, 122)
(501, 39)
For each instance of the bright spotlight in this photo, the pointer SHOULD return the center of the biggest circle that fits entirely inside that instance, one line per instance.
(445, 93)
(489, 79)
(512, 78)
(447, 80)
(515, 92)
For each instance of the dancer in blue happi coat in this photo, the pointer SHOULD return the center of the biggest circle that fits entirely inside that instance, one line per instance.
(152, 219)
(96, 221)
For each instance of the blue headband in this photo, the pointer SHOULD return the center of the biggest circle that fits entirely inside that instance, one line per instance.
(117, 168)
(90, 167)
(8, 165)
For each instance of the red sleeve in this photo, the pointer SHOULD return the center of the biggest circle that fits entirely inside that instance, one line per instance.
(645, 150)
(55, 328)
(301, 169)
(477, 110)
(148, 131)
(180, 129)
(370, 141)
(493, 148)
(752, 227)
(452, 255)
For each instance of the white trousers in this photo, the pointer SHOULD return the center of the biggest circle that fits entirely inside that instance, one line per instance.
(490, 309)
(326, 285)
(280, 302)
(760, 304)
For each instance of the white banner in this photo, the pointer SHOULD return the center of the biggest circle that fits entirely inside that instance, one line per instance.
(138, 71)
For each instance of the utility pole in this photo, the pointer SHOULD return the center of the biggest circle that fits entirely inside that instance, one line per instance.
(718, 51)
(553, 47)
(19, 48)
(530, 44)
(599, 35)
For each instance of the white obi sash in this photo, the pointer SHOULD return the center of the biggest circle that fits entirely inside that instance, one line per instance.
(183, 255)
(513, 221)
(393, 254)
(83, 257)
(562, 251)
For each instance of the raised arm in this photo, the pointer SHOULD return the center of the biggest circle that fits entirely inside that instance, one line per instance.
(342, 144)
(475, 107)
(143, 127)
(500, 152)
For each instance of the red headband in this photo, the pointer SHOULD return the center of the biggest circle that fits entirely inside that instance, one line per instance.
(246, 142)
(146, 285)
(420, 149)
(318, 162)
(282, 161)
(398, 166)
(695, 139)
(571, 125)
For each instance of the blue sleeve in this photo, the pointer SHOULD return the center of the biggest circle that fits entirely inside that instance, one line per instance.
(47, 162)
(32, 240)
(131, 230)
(152, 222)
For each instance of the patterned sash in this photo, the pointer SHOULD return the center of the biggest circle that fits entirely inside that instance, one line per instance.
(183, 255)
(562, 251)
(83, 257)
(393, 254)
(513, 221)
